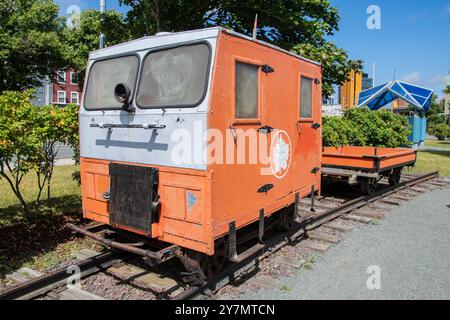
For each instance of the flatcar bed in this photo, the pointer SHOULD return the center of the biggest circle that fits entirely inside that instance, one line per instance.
(366, 165)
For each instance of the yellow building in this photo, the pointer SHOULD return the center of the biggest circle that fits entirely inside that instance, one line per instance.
(350, 90)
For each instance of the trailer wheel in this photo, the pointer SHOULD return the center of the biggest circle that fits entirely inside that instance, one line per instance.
(212, 265)
(368, 185)
(394, 176)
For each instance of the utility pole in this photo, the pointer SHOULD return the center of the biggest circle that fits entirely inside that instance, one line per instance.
(373, 74)
(102, 12)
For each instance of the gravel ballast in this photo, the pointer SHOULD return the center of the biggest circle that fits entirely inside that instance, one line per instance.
(411, 248)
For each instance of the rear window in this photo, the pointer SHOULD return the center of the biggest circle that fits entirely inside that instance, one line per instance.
(175, 77)
(104, 75)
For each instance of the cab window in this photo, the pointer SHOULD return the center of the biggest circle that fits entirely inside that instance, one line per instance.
(174, 77)
(246, 90)
(104, 75)
(306, 97)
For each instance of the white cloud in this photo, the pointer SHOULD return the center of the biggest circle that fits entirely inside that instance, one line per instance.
(413, 77)
(437, 80)
(447, 10)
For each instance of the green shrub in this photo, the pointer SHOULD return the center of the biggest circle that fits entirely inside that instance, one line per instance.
(440, 130)
(362, 127)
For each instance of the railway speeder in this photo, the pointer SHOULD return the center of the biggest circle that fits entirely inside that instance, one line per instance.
(185, 138)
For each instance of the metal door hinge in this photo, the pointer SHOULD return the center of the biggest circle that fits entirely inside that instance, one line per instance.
(315, 170)
(267, 69)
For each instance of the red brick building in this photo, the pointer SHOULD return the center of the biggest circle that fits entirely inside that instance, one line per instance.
(65, 88)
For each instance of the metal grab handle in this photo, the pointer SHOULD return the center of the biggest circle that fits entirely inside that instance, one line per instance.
(127, 126)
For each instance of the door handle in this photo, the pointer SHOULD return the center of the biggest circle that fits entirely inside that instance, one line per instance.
(315, 125)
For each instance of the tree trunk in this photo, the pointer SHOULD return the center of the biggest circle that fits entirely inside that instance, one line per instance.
(156, 14)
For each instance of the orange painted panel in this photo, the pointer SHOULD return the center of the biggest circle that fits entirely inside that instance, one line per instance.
(185, 208)
(234, 188)
(364, 157)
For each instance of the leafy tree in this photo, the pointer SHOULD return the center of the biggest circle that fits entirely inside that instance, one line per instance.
(30, 43)
(435, 112)
(54, 125)
(29, 136)
(447, 90)
(298, 25)
(18, 141)
(85, 38)
(335, 65)
(284, 23)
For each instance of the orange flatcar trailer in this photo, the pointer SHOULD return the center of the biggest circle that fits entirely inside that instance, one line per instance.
(366, 165)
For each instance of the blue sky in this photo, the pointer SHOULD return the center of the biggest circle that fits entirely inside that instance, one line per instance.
(413, 42)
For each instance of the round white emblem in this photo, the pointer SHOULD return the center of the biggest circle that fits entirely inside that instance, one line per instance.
(280, 154)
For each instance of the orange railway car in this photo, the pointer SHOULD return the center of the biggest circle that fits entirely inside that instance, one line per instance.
(187, 137)
(367, 165)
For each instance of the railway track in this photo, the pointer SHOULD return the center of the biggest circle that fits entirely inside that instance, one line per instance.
(315, 231)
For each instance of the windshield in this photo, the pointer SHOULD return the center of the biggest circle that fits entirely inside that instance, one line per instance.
(175, 77)
(104, 75)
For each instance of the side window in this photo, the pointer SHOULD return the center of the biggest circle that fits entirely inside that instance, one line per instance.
(306, 97)
(246, 86)
(61, 76)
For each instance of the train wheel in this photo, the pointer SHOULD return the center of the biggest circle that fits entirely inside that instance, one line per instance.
(212, 265)
(368, 185)
(285, 219)
(394, 176)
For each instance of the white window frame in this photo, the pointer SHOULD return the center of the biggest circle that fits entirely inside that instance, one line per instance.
(57, 97)
(78, 97)
(71, 73)
(58, 75)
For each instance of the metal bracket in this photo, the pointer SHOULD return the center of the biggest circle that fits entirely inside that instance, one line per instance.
(297, 203)
(126, 126)
(313, 193)
(233, 256)
(261, 226)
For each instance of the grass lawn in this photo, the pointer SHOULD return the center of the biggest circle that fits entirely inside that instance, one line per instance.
(429, 161)
(437, 143)
(44, 242)
(63, 188)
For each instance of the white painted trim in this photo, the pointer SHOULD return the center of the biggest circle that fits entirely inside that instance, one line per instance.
(57, 97)
(78, 97)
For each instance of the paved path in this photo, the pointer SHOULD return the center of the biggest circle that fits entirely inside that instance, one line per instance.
(438, 149)
(411, 246)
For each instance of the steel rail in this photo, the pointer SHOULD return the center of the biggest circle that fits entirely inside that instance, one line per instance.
(46, 283)
(235, 270)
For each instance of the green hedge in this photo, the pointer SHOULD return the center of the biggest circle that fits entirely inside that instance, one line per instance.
(362, 127)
